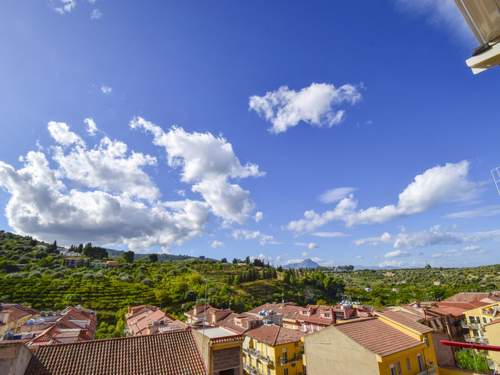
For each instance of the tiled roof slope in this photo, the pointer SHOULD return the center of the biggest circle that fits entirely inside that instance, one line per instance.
(407, 320)
(377, 336)
(172, 353)
(275, 335)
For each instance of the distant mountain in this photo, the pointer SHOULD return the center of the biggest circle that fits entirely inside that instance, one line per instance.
(306, 263)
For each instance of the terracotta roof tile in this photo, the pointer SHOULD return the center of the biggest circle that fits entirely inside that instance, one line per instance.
(377, 336)
(172, 353)
(406, 319)
(274, 335)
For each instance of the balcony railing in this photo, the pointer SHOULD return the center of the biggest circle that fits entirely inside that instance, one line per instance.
(477, 339)
(250, 370)
(429, 371)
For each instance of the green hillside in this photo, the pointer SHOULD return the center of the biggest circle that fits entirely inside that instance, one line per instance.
(33, 273)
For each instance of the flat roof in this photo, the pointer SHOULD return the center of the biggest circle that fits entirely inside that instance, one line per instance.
(216, 332)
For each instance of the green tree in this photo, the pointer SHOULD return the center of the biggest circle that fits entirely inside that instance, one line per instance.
(153, 258)
(129, 256)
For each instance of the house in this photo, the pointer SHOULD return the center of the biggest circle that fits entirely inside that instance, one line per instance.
(73, 324)
(147, 320)
(367, 346)
(13, 316)
(273, 350)
(206, 315)
(186, 351)
(306, 319)
(240, 323)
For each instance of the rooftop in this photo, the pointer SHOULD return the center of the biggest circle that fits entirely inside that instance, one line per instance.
(171, 353)
(377, 336)
(406, 319)
(274, 335)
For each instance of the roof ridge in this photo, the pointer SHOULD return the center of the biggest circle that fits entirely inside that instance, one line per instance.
(188, 329)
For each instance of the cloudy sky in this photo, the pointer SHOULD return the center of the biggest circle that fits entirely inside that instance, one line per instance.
(347, 132)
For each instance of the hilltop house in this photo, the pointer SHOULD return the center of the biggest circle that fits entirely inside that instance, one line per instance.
(205, 315)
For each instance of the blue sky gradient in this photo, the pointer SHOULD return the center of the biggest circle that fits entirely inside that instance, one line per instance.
(196, 64)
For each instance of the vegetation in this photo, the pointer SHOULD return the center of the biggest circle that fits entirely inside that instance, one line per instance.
(34, 273)
(472, 360)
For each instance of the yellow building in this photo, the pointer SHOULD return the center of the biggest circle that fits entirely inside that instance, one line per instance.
(476, 319)
(493, 334)
(13, 316)
(370, 346)
(273, 350)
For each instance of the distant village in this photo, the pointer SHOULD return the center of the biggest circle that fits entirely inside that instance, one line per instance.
(272, 339)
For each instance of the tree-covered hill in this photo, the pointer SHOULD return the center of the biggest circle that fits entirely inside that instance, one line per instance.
(34, 273)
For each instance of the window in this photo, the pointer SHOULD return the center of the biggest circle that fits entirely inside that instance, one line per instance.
(395, 368)
(408, 364)
(421, 364)
(471, 319)
(484, 320)
(285, 371)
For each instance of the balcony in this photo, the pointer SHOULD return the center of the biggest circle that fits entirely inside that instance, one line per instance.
(250, 370)
(477, 339)
(429, 371)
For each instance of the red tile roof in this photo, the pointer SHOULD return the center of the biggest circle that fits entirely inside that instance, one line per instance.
(171, 353)
(406, 319)
(274, 335)
(471, 297)
(377, 336)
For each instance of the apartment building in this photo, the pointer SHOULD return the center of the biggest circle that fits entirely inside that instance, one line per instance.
(492, 331)
(476, 319)
(273, 350)
(368, 346)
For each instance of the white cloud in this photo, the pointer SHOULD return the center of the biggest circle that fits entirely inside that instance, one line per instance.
(106, 90)
(485, 211)
(442, 13)
(329, 234)
(454, 253)
(316, 105)
(390, 263)
(334, 195)
(95, 14)
(91, 126)
(63, 6)
(60, 132)
(216, 244)
(258, 216)
(208, 163)
(43, 202)
(437, 185)
(396, 254)
(383, 238)
(309, 245)
(263, 239)
(108, 167)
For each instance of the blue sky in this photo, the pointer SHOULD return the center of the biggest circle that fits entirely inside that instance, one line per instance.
(274, 103)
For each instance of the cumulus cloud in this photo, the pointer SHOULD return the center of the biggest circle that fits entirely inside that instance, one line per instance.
(383, 238)
(437, 185)
(42, 204)
(90, 126)
(209, 164)
(106, 90)
(216, 244)
(108, 167)
(334, 195)
(315, 105)
(434, 236)
(60, 132)
(262, 238)
(63, 6)
(258, 216)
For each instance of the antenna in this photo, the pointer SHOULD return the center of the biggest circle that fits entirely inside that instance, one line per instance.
(495, 173)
